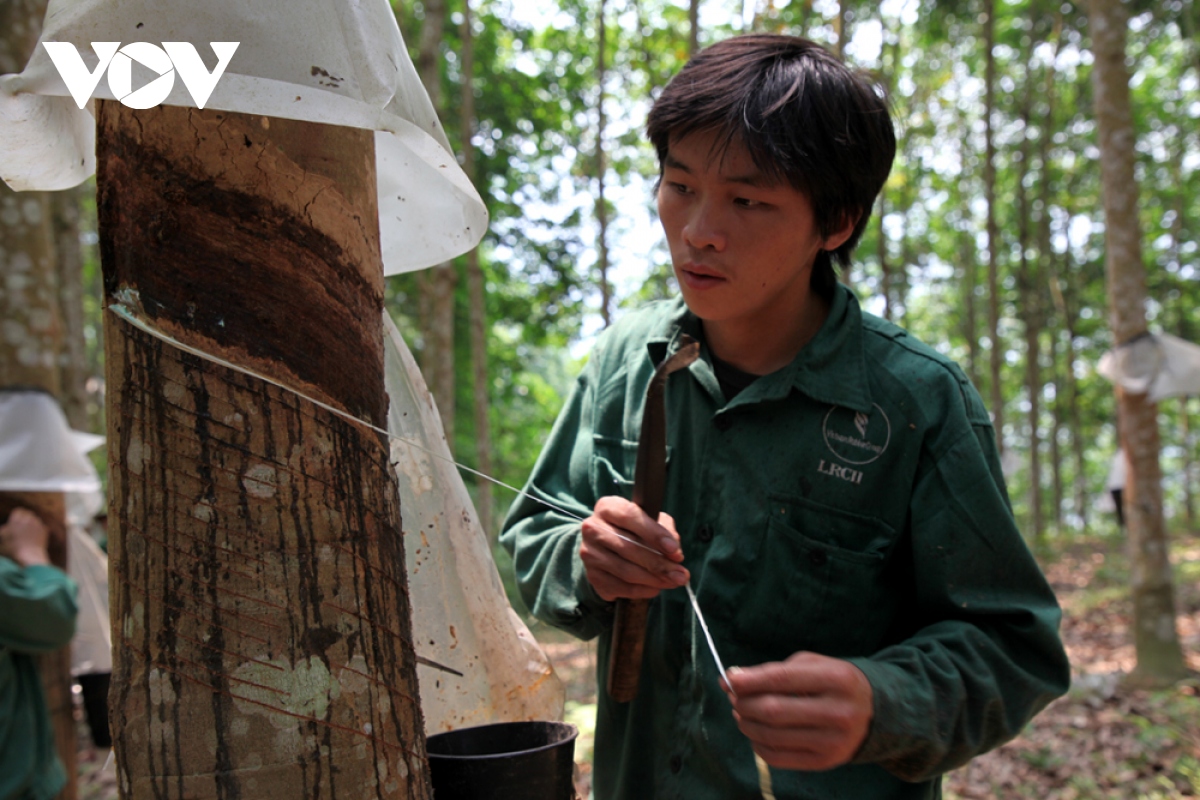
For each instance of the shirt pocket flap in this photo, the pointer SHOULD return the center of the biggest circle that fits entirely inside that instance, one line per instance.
(839, 532)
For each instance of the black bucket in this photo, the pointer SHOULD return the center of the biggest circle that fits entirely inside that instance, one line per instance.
(506, 761)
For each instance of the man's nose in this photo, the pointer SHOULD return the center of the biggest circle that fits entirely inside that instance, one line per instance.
(705, 228)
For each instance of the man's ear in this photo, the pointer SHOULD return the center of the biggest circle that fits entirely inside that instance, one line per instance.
(843, 231)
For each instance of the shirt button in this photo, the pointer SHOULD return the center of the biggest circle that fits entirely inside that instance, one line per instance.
(723, 422)
(705, 533)
(818, 558)
(676, 763)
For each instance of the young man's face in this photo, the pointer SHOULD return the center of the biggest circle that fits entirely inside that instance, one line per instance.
(742, 246)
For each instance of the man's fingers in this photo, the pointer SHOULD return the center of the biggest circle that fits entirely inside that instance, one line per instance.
(802, 674)
(789, 711)
(655, 572)
(633, 523)
(603, 536)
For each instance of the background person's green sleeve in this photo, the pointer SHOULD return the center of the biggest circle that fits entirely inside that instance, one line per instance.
(989, 656)
(37, 607)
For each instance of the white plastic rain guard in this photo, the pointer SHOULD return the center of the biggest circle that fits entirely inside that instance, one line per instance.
(461, 616)
(1160, 366)
(341, 62)
(38, 450)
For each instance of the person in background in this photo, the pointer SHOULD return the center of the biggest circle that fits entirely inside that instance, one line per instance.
(1116, 485)
(37, 615)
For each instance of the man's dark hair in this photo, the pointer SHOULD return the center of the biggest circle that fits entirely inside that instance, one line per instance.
(805, 117)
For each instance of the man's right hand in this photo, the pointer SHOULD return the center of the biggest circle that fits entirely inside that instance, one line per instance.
(617, 567)
(24, 538)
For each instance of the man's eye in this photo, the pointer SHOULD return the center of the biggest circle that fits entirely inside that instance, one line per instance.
(746, 202)
(681, 188)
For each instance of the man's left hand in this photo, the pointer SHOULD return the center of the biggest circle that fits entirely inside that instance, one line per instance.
(810, 712)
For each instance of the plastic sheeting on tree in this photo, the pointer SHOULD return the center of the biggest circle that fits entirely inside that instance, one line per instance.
(91, 649)
(328, 61)
(1159, 365)
(461, 616)
(38, 450)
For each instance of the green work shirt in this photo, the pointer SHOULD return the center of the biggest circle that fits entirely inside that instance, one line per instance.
(37, 615)
(850, 504)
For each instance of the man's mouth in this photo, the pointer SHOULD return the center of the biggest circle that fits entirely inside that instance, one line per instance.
(698, 276)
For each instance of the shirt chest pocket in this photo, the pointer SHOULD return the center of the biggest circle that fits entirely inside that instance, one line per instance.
(815, 581)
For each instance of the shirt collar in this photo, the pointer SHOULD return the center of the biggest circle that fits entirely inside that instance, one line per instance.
(829, 369)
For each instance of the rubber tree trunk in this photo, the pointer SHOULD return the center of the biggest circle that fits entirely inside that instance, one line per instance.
(1156, 639)
(262, 638)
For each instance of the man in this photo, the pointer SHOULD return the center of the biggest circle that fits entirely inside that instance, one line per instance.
(37, 615)
(833, 491)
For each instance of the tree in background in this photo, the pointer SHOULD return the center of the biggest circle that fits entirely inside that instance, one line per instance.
(1159, 656)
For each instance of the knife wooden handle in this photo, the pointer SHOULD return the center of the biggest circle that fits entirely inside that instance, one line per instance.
(625, 654)
(649, 489)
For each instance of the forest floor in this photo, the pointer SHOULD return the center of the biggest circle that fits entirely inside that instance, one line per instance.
(1103, 740)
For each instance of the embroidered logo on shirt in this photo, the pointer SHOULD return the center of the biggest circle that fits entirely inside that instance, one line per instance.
(854, 437)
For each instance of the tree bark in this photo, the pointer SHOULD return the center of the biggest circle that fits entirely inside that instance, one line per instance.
(476, 290)
(436, 286)
(261, 617)
(1159, 656)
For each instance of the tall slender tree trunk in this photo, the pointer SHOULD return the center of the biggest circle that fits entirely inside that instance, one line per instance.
(1185, 330)
(436, 286)
(996, 361)
(259, 591)
(1189, 462)
(1045, 276)
(1159, 656)
(1065, 301)
(1029, 286)
(968, 257)
(476, 289)
(602, 166)
(693, 27)
(64, 208)
(32, 345)
(841, 24)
